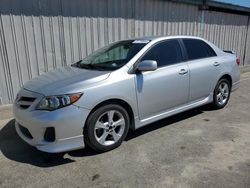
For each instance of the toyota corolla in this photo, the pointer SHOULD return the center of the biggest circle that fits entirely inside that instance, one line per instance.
(125, 85)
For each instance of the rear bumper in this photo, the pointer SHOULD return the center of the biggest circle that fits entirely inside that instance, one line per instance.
(67, 122)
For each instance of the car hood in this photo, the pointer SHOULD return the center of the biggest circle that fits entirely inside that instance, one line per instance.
(65, 80)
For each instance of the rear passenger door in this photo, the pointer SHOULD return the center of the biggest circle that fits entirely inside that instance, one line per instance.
(204, 68)
(168, 86)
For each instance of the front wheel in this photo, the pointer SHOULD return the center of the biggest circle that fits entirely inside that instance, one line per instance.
(106, 127)
(221, 94)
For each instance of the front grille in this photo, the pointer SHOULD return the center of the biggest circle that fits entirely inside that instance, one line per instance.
(25, 102)
(25, 131)
(29, 99)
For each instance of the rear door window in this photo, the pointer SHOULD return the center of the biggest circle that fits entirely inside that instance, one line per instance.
(165, 53)
(197, 49)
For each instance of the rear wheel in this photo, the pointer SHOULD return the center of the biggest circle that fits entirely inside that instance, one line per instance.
(106, 127)
(221, 94)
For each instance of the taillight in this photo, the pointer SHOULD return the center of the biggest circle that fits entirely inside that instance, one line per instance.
(238, 61)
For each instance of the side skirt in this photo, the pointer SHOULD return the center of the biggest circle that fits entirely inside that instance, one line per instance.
(173, 111)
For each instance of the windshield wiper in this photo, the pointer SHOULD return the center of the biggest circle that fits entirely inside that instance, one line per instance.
(81, 65)
(89, 66)
(86, 66)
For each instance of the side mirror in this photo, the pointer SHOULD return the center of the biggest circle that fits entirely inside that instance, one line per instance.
(147, 65)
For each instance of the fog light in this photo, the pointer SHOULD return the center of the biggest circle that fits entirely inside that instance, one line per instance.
(49, 134)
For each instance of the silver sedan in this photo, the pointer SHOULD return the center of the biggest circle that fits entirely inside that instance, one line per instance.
(125, 85)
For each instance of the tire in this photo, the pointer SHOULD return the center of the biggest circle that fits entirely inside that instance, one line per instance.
(106, 127)
(222, 93)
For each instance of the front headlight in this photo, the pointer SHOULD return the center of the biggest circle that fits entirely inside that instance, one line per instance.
(55, 102)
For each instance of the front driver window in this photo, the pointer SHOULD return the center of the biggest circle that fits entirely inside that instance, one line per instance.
(165, 53)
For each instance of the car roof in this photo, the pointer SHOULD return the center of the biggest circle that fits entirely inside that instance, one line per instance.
(154, 39)
(151, 38)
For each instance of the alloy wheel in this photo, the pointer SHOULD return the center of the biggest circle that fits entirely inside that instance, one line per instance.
(109, 127)
(222, 93)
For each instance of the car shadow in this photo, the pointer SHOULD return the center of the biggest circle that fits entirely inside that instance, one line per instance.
(14, 148)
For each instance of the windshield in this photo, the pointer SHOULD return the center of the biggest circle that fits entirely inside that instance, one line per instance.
(112, 56)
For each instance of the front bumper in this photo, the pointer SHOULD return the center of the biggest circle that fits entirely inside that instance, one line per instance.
(68, 123)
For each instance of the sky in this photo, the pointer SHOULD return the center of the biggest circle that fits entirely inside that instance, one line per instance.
(245, 3)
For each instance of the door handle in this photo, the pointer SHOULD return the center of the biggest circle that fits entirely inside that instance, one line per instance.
(183, 71)
(216, 64)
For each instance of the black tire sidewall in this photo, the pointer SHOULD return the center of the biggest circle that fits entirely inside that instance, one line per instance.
(215, 102)
(89, 129)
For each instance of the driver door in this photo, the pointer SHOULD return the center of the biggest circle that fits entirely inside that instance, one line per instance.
(167, 87)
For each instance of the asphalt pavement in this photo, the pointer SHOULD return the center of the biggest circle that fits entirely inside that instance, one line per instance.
(197, 148)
